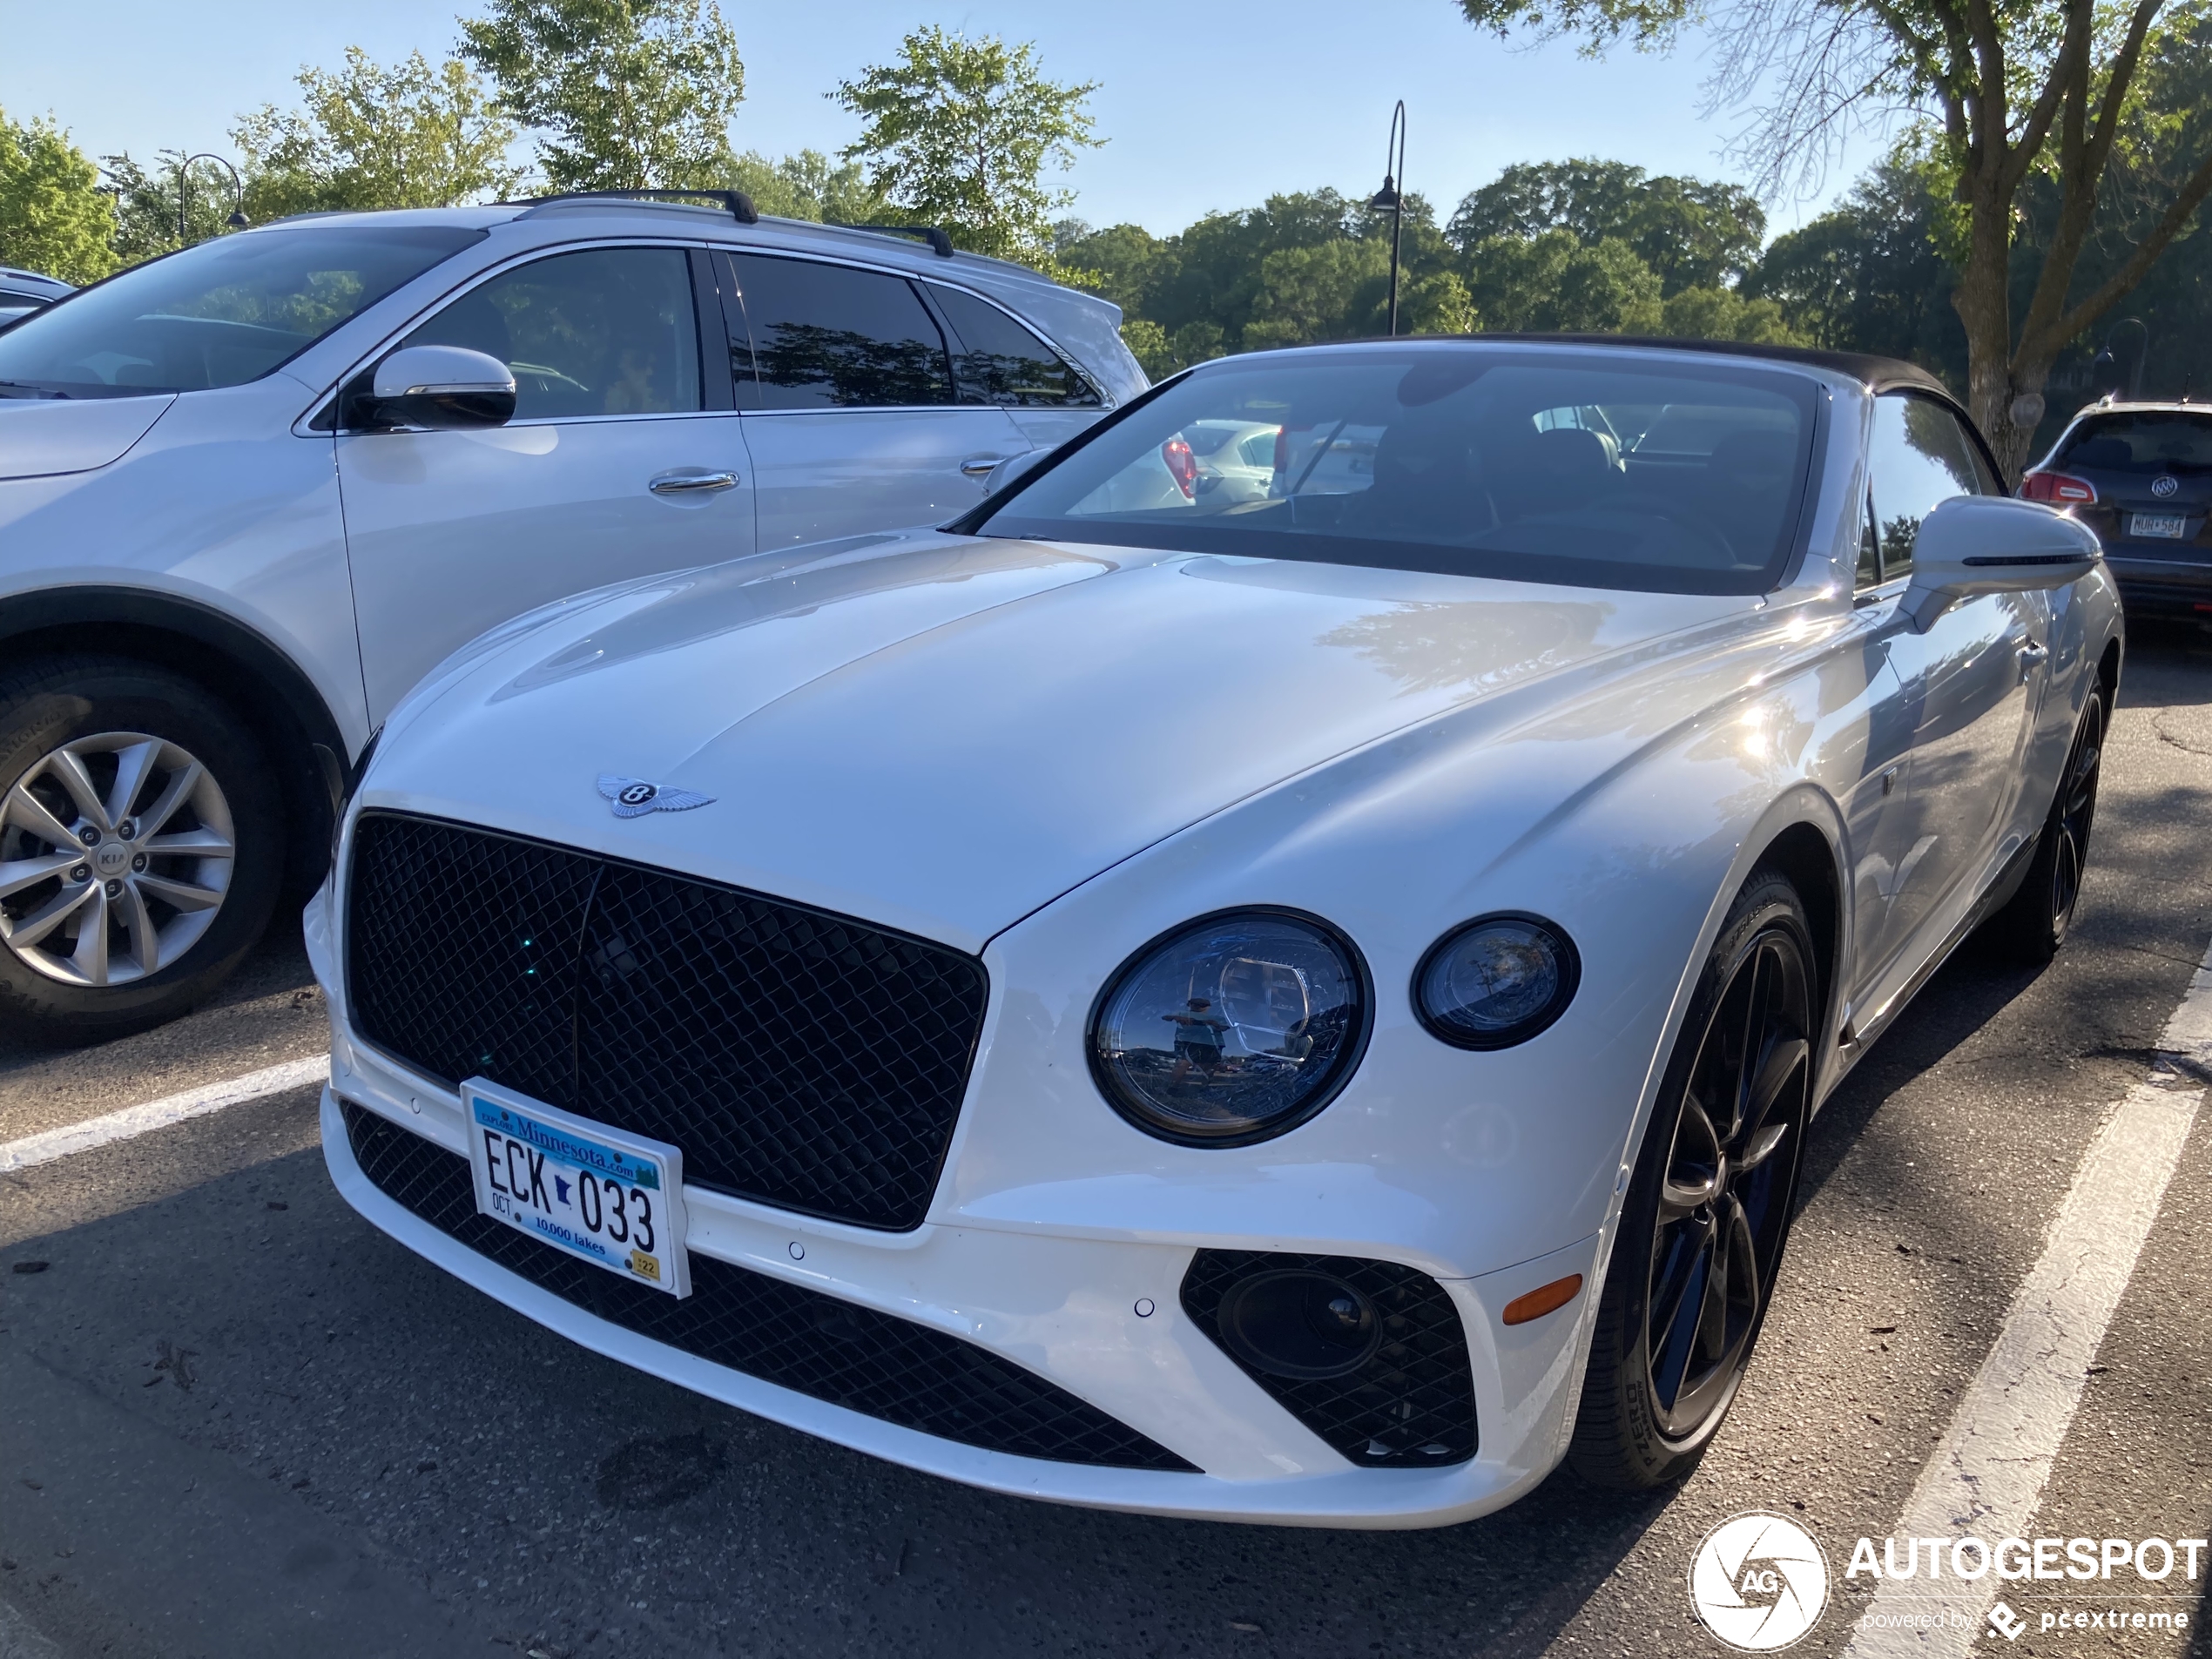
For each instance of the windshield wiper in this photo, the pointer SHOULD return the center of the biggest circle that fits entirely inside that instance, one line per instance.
(29, 389)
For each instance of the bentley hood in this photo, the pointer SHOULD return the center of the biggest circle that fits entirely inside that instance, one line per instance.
(41, 436)
(942, 734)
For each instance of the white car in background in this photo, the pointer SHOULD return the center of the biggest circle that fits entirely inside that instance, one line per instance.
(250, 492)
(1300, 1007)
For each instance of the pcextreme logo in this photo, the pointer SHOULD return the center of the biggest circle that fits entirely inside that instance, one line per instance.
(1759, 1581)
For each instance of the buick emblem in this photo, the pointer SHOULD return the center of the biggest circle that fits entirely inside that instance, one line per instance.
(634, 796)
(2164, 485)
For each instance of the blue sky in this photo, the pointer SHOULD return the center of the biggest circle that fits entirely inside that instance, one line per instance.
(1208, 104)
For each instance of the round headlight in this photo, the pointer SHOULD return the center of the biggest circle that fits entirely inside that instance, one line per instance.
(1495, 982)
(1234, 1028)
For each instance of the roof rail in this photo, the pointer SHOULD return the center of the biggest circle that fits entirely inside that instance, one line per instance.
(940, 241)
(735, 203)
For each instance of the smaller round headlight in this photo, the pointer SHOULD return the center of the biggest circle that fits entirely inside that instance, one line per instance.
(1495, 982)
(1233, 1029)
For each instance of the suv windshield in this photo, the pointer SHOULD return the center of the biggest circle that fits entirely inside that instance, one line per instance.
(1587, 467)
(220, 314)
(2142, 441)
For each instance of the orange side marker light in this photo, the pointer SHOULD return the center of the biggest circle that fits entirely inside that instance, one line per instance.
(1543, 1299)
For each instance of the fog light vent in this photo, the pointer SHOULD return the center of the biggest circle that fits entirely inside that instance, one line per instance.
(1369, 1355)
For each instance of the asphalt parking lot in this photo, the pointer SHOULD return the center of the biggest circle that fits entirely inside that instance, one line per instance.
(235, 1422)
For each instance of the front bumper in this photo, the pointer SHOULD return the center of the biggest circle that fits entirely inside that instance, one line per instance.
(1064, 1309)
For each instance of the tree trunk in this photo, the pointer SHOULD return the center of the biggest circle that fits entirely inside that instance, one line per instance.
(1984, 303)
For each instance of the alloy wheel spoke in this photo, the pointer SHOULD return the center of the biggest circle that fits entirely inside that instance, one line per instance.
(1671, 1363)
(29, 872)
(1712, 1310)
(138, 921)
(90, 958)
(28, 930)
(199, 843)
(131, 765)
(1783, 1062)
(1697, 1143)
(184, 894)
(69, 771)
(27, 812)
(1744, 1260)
(182, 782)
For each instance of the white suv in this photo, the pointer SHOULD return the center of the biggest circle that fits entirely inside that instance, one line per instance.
(250, 492)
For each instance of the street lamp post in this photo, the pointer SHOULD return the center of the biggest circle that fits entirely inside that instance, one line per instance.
(237, 221)
(1391, 199)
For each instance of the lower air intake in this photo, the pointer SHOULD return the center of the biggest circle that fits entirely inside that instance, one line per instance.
(1368, 1355)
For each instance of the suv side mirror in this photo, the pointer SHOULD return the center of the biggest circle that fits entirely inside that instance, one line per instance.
(1977, 544)
(443, 386)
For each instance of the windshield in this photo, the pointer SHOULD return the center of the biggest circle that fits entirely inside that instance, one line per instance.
(220, 314)
(2144, 441)
(1584, 468)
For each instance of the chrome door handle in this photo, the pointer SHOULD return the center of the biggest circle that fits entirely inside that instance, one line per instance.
(982, 466)
(689, 482)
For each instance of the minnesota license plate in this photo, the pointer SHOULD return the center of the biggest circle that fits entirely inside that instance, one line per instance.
(2169, 525)
(612, 1198)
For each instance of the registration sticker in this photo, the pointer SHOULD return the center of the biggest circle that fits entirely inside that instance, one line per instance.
(613, 1198)
(2169, 525)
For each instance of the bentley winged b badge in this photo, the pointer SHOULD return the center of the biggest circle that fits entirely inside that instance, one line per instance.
(634, 796)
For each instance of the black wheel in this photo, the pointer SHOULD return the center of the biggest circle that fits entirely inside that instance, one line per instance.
(142, 844)
(2035, 920)
(1703, 1227)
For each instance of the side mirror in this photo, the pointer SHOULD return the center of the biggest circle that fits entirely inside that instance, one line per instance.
(1976, 544)
(1012, 467)
(443, 386)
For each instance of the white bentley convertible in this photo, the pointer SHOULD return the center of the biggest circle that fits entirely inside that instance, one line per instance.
(1297, 1002)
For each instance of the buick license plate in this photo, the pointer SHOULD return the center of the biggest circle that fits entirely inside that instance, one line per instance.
(2169, 525)
(612, 1198)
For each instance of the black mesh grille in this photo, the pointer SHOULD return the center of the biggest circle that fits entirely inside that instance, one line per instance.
(798, 1058)
(854, 1356)
(1410, 1406)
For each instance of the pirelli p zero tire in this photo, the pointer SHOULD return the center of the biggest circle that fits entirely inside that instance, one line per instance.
(1708, 1209)
(142, 842)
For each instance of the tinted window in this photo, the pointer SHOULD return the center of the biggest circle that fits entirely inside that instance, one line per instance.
(226, 312)
(827, 336)
(2148, 441)
(605, 331)
(1921, 455)
(1498, 462)
(997, 360)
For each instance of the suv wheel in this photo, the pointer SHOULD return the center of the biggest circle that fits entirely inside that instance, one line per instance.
(141, 846)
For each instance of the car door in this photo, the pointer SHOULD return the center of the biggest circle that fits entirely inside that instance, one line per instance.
(616, 463)
(851, 413)
(1972, 675)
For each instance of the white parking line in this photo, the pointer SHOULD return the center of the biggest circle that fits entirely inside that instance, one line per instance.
(160, 1114)
(1987, 1479)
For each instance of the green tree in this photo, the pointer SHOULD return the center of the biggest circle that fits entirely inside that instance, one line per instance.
(1556, 282)
(409, 136)
(624, 94)
(959, 133)
(53, 217)
(1724, 313)
(2065, 90)
(809, 185)
(1693, 233)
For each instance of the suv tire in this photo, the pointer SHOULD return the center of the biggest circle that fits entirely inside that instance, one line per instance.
(133, 803)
